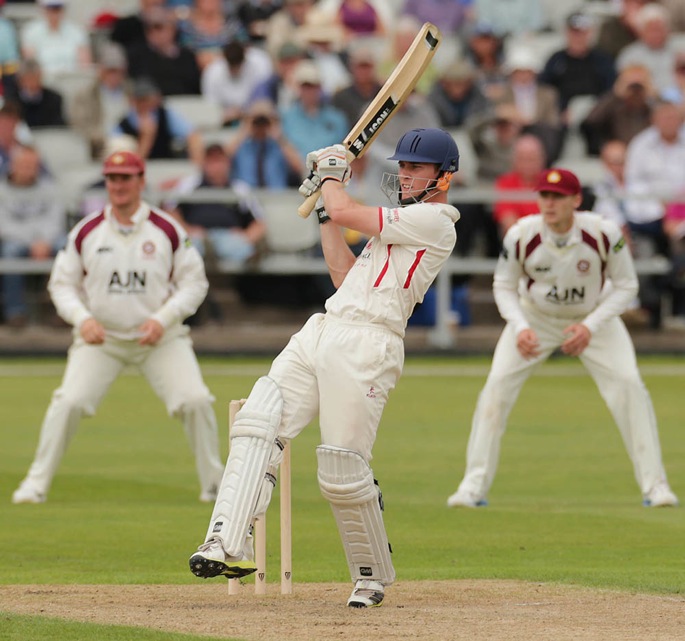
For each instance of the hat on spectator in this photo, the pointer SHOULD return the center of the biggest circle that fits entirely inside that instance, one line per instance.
(522, 59)
(119, 142)
(307, 73)
(459, 70)
(483, 28)
(52, 3)
(143, 87)
(123, 162)
(560, 181)
(112, 56)
(290, 50)
(579, 21)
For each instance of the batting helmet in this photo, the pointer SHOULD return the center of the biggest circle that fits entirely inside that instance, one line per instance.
(428, 145)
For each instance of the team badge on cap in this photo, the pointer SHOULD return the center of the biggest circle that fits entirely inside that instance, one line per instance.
(123, 162)
(560, 181)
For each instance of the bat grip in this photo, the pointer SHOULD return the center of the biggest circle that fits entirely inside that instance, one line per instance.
(308, 205)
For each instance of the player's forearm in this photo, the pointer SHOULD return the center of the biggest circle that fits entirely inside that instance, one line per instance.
(347, 212)
(338, 255)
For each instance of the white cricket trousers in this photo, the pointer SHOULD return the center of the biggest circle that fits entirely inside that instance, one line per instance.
(172, 370)
(343, 371)
(610, 360)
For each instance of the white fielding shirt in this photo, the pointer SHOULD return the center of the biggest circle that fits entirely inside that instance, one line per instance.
(123, 278)
(590, 279)
(394, 270)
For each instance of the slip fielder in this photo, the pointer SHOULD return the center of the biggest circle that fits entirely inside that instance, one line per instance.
(125, 281)
(562, 280)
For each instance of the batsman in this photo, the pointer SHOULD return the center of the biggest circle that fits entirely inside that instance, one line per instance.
(343, 363)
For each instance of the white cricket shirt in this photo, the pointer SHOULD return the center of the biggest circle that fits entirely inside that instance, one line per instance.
(124, 278)
(590, 279)
(393, 272)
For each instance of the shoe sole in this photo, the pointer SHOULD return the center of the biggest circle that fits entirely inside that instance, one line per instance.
(208, 568)
(481, 503)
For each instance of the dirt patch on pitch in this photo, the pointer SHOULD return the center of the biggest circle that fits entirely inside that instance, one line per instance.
(426, 610)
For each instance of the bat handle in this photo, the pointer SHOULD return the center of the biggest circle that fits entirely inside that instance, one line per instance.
(308, 205)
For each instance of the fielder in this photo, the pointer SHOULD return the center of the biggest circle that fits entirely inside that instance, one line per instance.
(343, 364)
(125, 281)
(562, 280)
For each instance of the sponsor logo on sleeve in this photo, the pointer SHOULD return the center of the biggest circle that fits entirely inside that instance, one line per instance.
(619, 245)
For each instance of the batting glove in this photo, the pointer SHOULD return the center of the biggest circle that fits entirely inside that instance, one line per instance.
(331, 164)
(310, 184)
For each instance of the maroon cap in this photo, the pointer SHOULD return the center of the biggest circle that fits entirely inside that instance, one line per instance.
(123, 162)
(561, 181)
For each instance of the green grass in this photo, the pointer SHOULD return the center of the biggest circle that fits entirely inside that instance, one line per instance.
(564, 507)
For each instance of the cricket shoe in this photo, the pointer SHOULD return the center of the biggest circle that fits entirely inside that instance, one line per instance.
(209, 495)
(660, 496)
(465, 499)
(27, 494)
(211, 560)
(366, 594)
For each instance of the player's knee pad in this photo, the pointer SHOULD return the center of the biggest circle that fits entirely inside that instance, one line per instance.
(347, 482)
(253, 436)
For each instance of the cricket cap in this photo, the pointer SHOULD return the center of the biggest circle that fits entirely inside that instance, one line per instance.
(560, 181)
(123, 162)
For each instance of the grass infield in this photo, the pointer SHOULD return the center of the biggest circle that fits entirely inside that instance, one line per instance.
(564, 508)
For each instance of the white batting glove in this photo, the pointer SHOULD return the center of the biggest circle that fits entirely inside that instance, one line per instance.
(310, 184)
(331, 164)
(312, 156)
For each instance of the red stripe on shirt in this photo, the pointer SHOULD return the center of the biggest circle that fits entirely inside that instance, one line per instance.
(532, 245)
(412, 269)
(167, 228)
(86, 229)
(384, 271)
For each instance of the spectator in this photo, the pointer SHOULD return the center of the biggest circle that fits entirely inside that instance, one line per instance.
(401, 38)
(511, 17)
(485, 50)
(676, 92)
(98, 108)
(206, 31)
(622, 112)
(609, 189)
(323, 40)
(364, 85)
(231, 80)
(231, 231)
(58, 44)
(161, 132)
(129, 30)
(674, 228)
(261, 155)
(676, 12)
(9, 53)
(284, 23)
(620, 29)
(32, 224)
(450, 16)
(527, 162)
(493, 135)
(654, 175)
(148, 263)
(538, 104)
(654, 48)
(456, 96)
(40, 105)
(310, 123)
(579, 69)
(10, 122)
(255, 17)
(159, 57)
(280, 88)
(359, 19)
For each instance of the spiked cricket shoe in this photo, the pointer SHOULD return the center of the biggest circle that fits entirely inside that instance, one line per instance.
(464, 499)
(366, 594)
(211, 560)
(660, 496)
(27, 494)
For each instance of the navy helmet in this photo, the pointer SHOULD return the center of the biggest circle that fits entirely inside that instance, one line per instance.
(428, 145)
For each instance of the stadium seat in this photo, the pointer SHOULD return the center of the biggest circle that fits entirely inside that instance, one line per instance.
(203, 114)
(61, 148)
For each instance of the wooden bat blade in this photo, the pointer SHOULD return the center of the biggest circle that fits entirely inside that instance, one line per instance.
(392, 94)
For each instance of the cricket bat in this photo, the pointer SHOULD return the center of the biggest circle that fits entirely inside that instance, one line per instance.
(391, 95)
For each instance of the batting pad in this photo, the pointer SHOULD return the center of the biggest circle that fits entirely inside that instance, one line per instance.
(253, 441)
(346, 481)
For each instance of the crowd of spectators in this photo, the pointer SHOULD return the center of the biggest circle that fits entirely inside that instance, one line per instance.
(287, 76)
